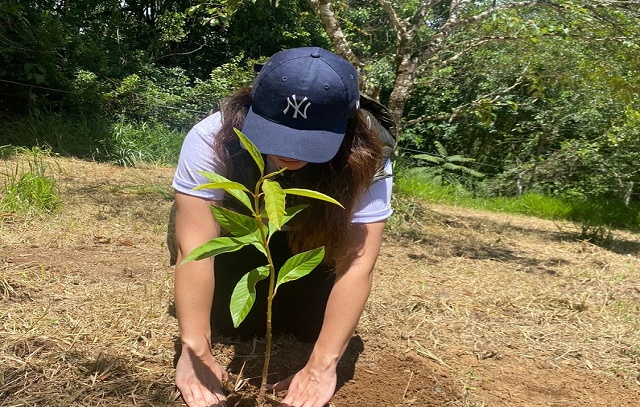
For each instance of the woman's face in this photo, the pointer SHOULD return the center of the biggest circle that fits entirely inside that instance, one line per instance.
(290, 163)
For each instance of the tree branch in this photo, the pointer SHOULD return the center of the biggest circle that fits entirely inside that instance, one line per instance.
(397, 23)
(417, 20)
(324, 11)
(183, 53)
(502, 7)
(455, 10)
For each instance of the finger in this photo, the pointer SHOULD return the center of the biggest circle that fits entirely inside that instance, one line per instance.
(196, 398)
(187, 396)
(290, 402)
(210, 401)
(221, 374)
(281, 385)
(221, 399)
(312, 401)
(292, 398)
(316, 402)
(212, 393)
(217, 400)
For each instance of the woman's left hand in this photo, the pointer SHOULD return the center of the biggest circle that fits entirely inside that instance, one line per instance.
(309, 387)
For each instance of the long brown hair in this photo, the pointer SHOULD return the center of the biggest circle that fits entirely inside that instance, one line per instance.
(345, 178)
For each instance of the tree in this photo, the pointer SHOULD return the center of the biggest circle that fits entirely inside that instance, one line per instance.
(518, 85)
(429, 33)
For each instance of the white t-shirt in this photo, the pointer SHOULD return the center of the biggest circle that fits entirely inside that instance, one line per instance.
(197, 155)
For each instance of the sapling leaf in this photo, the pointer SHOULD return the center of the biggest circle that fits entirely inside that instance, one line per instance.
(299, 266)
(252, 149)
(234, 222)
(311, 194)
(239, 225)
(219, 179)
(274, 203)
(273, 174)
(235, 189)
(221, 185)
(218, 246)
(244, 294)
(289, 213)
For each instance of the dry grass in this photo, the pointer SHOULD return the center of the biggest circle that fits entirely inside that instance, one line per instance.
(500, 286)
(84, 294)
(469, 308)
(498, 283)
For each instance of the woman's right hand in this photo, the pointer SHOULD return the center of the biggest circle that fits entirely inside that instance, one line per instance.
(199, 378)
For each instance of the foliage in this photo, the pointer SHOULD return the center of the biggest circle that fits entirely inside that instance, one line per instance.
(445, 169)
(266, 202)
(130, 144)
(155, 95)
(534, 94)
(603, 167)
(140, 60)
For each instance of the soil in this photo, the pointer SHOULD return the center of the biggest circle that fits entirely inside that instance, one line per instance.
(469, 308)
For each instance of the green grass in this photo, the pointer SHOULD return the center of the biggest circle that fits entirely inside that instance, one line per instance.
(79, 137)
(594, 216)
(132, 144)
(26, 189)
(96, 138)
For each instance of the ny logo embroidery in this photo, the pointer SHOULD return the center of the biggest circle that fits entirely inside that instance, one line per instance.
(296, 106)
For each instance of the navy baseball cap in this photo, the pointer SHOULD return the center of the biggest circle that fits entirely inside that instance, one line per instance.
(300, 104)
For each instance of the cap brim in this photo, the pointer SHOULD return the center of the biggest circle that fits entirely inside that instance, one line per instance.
(314, 146)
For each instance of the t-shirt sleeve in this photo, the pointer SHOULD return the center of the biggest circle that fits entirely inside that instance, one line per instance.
(197, 155)
(375, 203)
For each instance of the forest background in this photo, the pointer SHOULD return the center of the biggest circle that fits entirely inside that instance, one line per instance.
(494, 99)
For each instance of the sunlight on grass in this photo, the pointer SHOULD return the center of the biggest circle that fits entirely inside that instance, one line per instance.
(590, 214)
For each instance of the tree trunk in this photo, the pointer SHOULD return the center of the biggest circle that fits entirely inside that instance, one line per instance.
(407, 66)
(628, 194)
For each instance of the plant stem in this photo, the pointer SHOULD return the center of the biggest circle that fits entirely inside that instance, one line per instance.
(267, 353)
(272, 283)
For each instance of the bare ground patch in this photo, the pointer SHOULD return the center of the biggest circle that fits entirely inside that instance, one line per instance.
(469, 308)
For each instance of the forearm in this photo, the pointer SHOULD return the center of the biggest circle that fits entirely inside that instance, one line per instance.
(194, 286)
(344, 308)
(194, 280)
(348, 297)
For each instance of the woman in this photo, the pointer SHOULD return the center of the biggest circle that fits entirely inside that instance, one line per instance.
(302, 113)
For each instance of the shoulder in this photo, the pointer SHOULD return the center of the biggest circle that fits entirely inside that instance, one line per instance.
(200, 138)
(197, 155)
(207, 127)
(375, 203)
